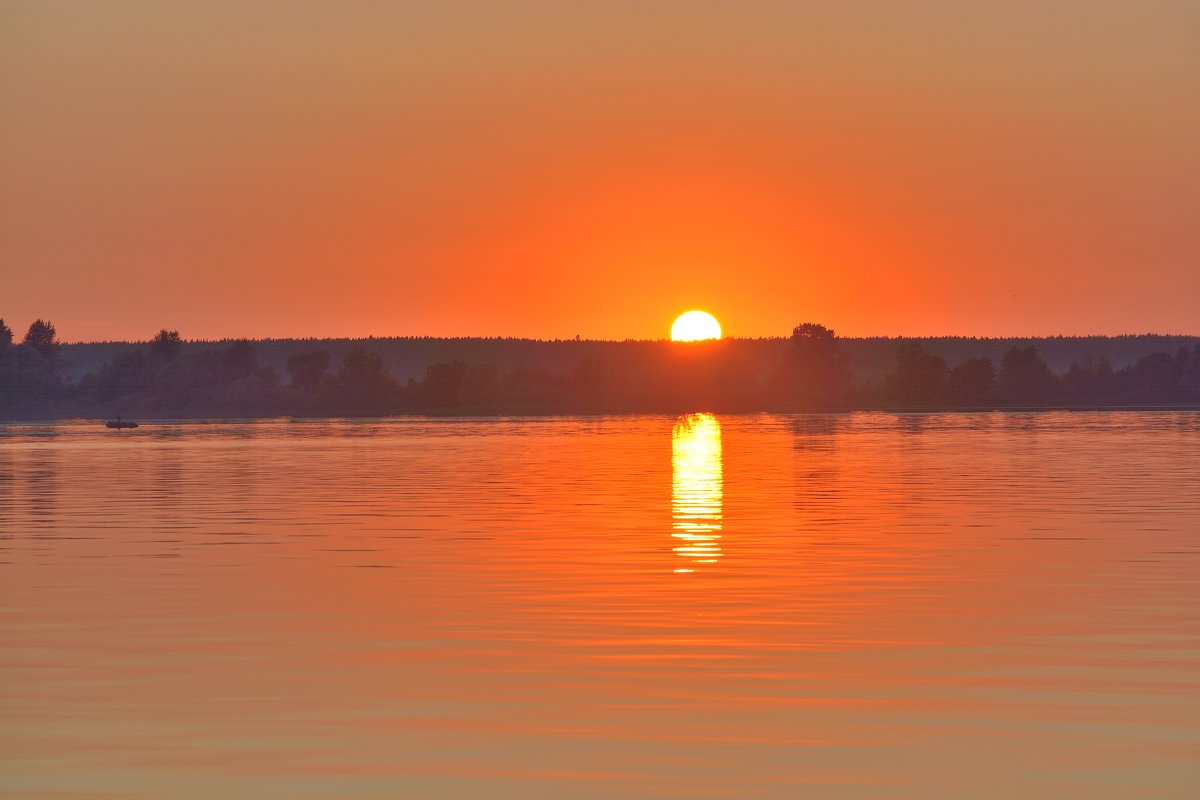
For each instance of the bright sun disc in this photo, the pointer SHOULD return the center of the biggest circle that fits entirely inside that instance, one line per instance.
(695, 326)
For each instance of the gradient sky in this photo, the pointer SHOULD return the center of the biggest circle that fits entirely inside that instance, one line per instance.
(560, 168)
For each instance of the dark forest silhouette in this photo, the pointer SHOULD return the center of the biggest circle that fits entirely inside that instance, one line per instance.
(811, 369)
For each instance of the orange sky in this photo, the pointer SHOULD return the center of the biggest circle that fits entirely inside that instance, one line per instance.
(552, 169)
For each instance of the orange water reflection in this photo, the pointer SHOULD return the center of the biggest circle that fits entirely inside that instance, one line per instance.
(697, 487)
(463, 608)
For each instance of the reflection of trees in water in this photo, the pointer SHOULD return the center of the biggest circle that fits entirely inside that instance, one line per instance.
(8, 480)
(41, 486)
(697, 488)
(168, 481)
(815, 465)
(912, 424)
(816, 430)
(243, 468)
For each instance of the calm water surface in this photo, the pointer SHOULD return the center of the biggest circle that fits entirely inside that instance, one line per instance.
(857, 606)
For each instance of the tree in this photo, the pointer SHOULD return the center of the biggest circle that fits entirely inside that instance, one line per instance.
(1091, 383)
(8, 365)
(1186, 371)
(42, 337)
(308, 369)
(588, 378)
(1153, 379)
(1025, 378)
(972, 383)
(531, 386)
(360, 368)
(817, 369)
(1189, 375)
(443, 385)
(165, 346)
(239, 361)
(363, 385)
(125, 374)
(481, 385)
(814, 342)
(919, 378)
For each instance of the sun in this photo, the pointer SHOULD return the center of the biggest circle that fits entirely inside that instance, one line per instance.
(694, 326)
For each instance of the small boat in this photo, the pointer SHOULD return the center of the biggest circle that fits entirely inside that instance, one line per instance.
(120, 423)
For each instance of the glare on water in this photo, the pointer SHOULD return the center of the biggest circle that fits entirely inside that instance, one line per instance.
(696, 487)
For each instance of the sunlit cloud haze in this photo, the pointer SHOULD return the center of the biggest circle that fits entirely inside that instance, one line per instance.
(553, 169)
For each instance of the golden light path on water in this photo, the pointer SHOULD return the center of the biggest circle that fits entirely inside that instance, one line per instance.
(697, 487)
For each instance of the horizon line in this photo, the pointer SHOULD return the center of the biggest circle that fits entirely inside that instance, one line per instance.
(580, 340)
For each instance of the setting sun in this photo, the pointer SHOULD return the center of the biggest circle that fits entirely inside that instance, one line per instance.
(694, 326)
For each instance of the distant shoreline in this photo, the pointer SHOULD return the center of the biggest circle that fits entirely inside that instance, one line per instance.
(870, 357)
(813, 370)
(534, 413)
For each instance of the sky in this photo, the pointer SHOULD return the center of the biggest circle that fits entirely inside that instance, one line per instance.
(556, 169)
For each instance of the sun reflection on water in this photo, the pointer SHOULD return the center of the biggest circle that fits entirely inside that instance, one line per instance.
(697, 487)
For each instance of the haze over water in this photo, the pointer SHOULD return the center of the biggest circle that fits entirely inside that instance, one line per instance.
(848, 606)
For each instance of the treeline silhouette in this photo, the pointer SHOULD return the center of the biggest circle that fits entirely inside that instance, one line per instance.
(811, 369)
(870, 358)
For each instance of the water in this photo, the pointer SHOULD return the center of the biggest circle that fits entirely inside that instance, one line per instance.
(858, 606)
